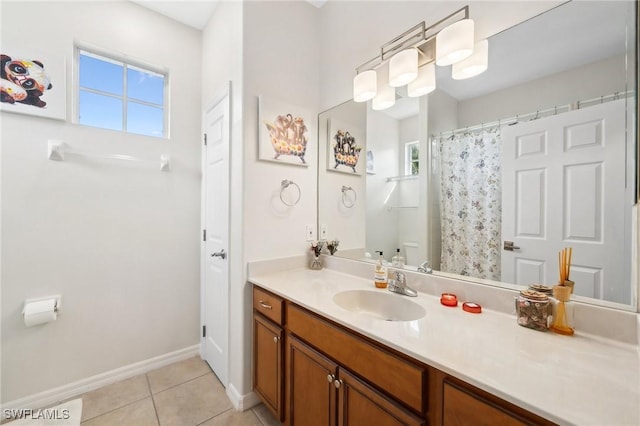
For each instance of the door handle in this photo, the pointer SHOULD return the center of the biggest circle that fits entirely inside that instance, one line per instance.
(508, 246)
(220, 253)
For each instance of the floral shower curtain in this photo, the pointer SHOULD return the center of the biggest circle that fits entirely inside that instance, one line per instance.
(470, 203)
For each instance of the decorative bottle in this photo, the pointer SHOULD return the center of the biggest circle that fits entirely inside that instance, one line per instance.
(563, 311)
(397, 261)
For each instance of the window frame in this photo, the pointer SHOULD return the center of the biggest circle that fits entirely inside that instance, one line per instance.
(127, 63)
(408, 161)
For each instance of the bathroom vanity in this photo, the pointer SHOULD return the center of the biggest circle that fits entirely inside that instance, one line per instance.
(318, 360)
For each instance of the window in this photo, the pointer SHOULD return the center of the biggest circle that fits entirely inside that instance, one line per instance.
(411, 158)
(113, 94)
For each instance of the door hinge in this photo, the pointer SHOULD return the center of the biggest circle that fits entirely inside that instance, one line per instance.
(204, 235)
(205, 139)
(204, 331)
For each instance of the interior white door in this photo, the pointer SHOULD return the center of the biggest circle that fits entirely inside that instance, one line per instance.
(563, 185)
(215, 254)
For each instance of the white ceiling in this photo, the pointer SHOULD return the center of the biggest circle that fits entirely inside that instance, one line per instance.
(194, 13)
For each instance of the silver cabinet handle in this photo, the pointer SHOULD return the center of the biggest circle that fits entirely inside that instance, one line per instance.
(508, 246)
(331, 378)
(275, 339)
(220, 253)
(264, 305)
(337, 383)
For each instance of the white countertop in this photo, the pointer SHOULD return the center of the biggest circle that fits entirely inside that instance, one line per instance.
(577, 380)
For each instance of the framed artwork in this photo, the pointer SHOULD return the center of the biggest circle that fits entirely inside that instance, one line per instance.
(345, 145)
(286, 132)
(33, 83)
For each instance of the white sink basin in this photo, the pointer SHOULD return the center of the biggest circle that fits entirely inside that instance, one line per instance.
(379, 304)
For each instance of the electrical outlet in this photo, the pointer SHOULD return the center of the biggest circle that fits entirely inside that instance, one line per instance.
(311, 233)
(323, 231)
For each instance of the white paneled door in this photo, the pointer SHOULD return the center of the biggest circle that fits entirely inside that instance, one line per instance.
(215, 194)
(563, 185)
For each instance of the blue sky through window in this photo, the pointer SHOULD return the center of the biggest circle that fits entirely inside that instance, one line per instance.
(100, 111)
(100, 75)
(144, 119)
(104, 103)
(145, 86)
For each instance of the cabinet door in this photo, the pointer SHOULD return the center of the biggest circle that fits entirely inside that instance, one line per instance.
(360, 404)
(311, 393)
(267, 368)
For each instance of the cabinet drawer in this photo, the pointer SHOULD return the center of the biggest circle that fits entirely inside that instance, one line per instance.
(465, 405)
(405, 381)
(268, 304)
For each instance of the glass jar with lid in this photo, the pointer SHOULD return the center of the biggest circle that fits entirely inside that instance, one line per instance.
(532, 309)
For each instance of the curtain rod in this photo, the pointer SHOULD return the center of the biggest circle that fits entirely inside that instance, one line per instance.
(538, 114)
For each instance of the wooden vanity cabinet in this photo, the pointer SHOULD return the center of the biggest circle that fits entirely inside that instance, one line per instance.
(268, 343)
(335, 377)
(310, 371)
(321, 392)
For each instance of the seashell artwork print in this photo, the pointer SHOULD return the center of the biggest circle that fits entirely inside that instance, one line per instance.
(288, 136)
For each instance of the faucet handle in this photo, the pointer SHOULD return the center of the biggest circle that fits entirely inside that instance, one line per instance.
(424, 267)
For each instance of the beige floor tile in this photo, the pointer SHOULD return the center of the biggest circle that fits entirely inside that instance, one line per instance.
(141, 413)
(265, 416)
(111, 397)
(192, 403)
(177, 373)
(234, 418)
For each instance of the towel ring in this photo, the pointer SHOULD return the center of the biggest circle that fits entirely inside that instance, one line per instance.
(346, 189)
(284, 185)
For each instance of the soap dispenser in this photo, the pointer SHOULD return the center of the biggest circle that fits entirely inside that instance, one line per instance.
(397, 261)
(380, 275)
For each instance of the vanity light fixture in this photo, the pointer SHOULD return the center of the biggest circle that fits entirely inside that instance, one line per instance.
(404, 59)
(365, 86)
(455, 42)
(425, 82)
(403, 67)
(386, 95)
(475, 64)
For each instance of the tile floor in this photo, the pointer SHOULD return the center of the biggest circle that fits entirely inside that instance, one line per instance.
(185, 393)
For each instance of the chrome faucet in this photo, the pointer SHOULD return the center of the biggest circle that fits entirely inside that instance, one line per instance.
(399, 285)
(424, 267)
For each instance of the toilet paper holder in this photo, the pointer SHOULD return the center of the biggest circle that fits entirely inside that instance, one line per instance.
(57, 297)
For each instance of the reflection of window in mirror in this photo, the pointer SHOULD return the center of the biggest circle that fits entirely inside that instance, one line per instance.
(411, 158)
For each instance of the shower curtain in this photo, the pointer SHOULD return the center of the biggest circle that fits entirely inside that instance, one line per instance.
(470, 203)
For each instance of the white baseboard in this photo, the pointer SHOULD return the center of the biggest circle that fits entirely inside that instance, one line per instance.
(242, 402)
(61, 393)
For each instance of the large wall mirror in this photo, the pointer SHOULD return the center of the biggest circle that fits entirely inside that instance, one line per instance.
(489, 178)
